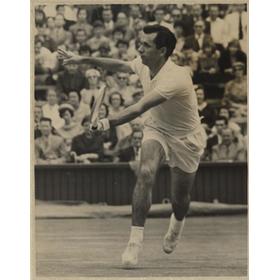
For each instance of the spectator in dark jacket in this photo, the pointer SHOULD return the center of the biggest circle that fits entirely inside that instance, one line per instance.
(70, 80)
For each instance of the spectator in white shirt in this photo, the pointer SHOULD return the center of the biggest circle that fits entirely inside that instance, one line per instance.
(51, 109)
(237, 25)
(218, 27)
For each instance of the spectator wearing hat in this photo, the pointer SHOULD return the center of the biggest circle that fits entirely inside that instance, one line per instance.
(81, 23)
(50, 109)
(71, 79)
(232, 54)
(49, 148)
(236, 90)
(70, 128)
(94, 84)
(199, 39)
(88, 146)
(98, 36)
(59, 35)
(228, 149)
(81, 110)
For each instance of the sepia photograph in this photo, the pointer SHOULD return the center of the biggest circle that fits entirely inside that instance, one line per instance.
(140, 140)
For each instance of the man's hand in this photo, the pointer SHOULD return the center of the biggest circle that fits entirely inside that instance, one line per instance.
(68, 57)
(100, 125)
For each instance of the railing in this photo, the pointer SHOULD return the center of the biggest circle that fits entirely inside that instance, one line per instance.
(113, 183)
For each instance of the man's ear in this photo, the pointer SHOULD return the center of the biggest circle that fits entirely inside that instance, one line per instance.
(163, 51)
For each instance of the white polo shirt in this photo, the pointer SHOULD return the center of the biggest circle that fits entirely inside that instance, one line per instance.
(178, 115)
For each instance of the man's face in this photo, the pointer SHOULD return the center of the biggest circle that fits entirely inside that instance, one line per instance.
(198, 27)
(196, 10)
(38, 114)
(122, 79)
(45, 128)
(147, 48)
(72, 68)
(51, 97)
(81, 36)
(118, 36)
(136, 139)
(59, 21)
(99, 31)
(159, 15)
(220, 125)
(122, 20)
(224, 113)
(50, 23)
(116, 101)
(74, 99)
(82, 16)
(61, 10)
(107, 15)
(200, 96)
(214, 12)
(176, 15)
(227, 136)
(135, 11)
(122, 48)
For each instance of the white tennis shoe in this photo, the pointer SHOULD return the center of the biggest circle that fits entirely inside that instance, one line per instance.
(172, 236)
(130, 254)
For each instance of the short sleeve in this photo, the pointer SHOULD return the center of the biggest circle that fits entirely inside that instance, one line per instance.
(136, 65)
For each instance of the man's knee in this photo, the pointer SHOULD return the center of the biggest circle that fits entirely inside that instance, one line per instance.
(147, 174)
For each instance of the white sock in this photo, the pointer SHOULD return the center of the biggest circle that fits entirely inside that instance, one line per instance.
(176, 225)
(136, 234)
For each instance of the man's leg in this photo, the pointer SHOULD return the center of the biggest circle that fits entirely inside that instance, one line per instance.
(152, 156)
(181, 186)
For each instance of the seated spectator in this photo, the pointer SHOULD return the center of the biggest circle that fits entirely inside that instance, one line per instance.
(231, 55)
(104, 50)
(133, 152)
(80, 40)
(208, 59)
(116, 106)
(206, 112)
(40, 17)
(199, 39)
(81, 110)
(84, 51)
(228, 149)
(45, 61)
(121, 51)
(117, 34)
(42, 33)
(107, 17)
(49, 148)
(88, 146)
(82, 23)
(109, 136)
(70, 129)
(59, 34)
(180, 36)
(159, 14)
(38, 114)
(236, 90)
(50, 109)
(94, 84)
(98, 36)
(122, 23)
(134, 15)
(71, 79)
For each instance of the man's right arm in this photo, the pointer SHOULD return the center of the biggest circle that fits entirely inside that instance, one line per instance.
(114, 65)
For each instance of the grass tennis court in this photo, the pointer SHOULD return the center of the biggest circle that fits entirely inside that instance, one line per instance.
(210, 246)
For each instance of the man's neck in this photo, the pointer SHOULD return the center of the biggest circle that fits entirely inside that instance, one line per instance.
(154, 69)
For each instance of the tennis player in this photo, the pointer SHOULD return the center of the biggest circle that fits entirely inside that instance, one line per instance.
(172, 132)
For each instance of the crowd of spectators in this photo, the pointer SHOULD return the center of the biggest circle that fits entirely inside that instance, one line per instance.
(211, 42)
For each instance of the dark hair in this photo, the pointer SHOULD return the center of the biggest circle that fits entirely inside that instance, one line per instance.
(98, 23)
(84, 48)
(106, 109)
(79, 95)
(118, 29)
(164, 38)
(222, 118)
(86, 119)
(124, 42)
(116, 92)
(178, 23)
(235, 43)
(62, 111)
(200, 87)
(44, 119)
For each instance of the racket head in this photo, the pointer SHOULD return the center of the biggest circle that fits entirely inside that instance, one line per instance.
(98, 100)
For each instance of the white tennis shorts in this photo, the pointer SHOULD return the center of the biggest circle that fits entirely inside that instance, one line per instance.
(182, 152)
